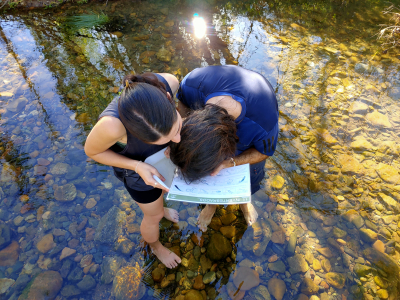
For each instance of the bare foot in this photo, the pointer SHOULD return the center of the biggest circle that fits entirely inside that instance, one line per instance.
(171, 214)
(249, 212)
(166, 256)
(205, 217)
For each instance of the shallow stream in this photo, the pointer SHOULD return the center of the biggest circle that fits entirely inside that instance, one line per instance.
(329, 207)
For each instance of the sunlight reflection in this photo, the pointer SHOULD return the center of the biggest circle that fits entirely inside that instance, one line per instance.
(199, 26)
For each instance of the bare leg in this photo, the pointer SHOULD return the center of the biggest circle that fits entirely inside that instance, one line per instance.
(205, 216)
(153, 213)
(249, 212)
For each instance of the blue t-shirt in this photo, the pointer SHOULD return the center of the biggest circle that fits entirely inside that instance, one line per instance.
(257, 125)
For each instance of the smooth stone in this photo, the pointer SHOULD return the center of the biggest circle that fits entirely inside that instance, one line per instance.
(46, 285)
(5, 235)
(209, 277)
(233, 292)
(277, 266)
(379, 245)
(277, 288)
(291, 247)
(127, 283)
(5, 284)
(308, 287)
(368, 236)
(362, 270)
(316, 265)
(193, 295)
(46, 243)
(158, 274)
(245, 278)
(91, 203)
(261, 293)
(70, 291)
(164, 55)
(65, 192)
(198, 283)
(382, 283)
(338, 233)
(326, 265)
(87, 283)
(336, 280)
(325, 252)
(379, 120)
(381, 260)
(277, 182)
(67, 252)
(389, 202)
(59, 169)
(382, 294)
(9, 255)
(227, 219)
(388, 173)
(219, 247)
(297, 264)
(228, 231)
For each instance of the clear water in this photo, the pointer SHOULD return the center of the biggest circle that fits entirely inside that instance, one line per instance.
(338, 153)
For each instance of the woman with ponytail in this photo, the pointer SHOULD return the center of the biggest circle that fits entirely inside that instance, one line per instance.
(137, 124)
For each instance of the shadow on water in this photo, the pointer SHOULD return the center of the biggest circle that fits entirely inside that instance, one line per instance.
(329, 207)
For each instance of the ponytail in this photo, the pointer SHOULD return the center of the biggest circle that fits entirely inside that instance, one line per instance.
(129, 81)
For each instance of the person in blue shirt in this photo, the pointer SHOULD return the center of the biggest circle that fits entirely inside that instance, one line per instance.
(235, 122)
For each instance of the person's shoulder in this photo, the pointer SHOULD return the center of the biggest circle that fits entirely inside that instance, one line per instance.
(111, 126)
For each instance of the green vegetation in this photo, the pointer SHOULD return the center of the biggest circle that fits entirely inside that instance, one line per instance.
(86, 21)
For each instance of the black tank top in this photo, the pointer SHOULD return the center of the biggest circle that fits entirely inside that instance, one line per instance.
(135, 148)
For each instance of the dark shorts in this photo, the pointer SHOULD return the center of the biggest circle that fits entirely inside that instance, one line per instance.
(143, 197)
(257, 173)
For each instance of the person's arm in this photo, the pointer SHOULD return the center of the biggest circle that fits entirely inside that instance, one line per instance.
(106, 133)
(249, 156)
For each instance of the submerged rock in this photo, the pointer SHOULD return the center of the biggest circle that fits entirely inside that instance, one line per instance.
(336, 280)
(5, 235)
(261, 293)
(219, 247)
(110, 267)
(5, 284)
(65, 192)
(110, 226)
(277, 288)
(9, 255)
(297, 264)
(245, 278)
(164, 55)
(44, 286)
(127, 284)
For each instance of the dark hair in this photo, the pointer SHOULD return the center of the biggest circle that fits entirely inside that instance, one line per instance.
(208, 137)
(144, 108)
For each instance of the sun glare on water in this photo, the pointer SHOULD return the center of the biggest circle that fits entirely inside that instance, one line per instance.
(199, 26)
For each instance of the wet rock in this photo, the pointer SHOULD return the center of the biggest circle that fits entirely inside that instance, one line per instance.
(316, 265)
(350, 164)
(8, 173)
(227, 219)
(5, 284)
(368, 236)
(382, 294)
(381, 260)
(215, 224)
(141, 37)
(245, 278)
(388, 173)
(326, 265)
(325, 252)
(327, 137)
(379, 245)
(158, 274)
(46, 243)
(87, 283)
(308, 287)
(209, 277)
(164, 55)
(297, 264)
(59, 169)
(127, 284)
(76, 274)
(91, 203)
(336, 280)
(359, 108)
(86, 260)
(277, 288)
(5, 235)
(277, 182)
(67, 252)
(70, 291)
(110, 226)
(361, 144)
(380, 282)
(110, 267)
(291, 247)
(124, 246)
(278, 237)
(219, 247)
(193, 295)
(379, 120)
(362, 270)
(228, 231)
(261, 293)
(277, 266)
(46, 285)
(338, 233)
(198, 283)
(65, 192)
(17, 105)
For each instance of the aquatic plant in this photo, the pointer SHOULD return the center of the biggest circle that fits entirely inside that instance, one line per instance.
(390, 33)
(86, 21)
